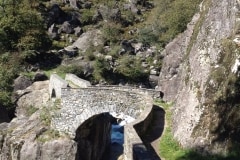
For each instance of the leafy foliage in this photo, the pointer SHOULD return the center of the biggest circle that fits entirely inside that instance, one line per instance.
(8, 71)
(111, 31)
(21, 30)
(22, 27)
(102, 69)
(168, 19)
(131, 69)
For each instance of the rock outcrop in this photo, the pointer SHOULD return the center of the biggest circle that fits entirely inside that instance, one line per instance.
(89, 39)
(28, 138)
(34, 96)
(196, 76)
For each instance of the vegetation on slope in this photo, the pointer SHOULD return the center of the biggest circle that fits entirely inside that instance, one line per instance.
(24, 39)
(168, 19)
(21, 30)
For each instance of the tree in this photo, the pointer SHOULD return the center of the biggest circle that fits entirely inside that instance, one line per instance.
(9, 70)
(22, 27)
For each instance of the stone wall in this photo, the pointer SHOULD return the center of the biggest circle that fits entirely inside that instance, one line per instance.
(151, 92)
(81, 83)
(134, 147)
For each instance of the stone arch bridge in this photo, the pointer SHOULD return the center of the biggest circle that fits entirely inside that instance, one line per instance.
(80, 104)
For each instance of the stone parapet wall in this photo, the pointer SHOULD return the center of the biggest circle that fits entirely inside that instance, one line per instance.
(132, 141)
(81, 83)
(151, 92)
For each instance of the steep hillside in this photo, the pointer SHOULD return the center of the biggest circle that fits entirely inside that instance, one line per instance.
(106, 42)
(200, 75)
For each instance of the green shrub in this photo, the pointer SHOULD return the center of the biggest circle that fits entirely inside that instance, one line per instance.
(114, 51)
(8, 71)
(59, 44)
(130, 68)
(102, 69)
(148, 36)
(48, 135)
(168, 19)
(90, 53)
(22, 27)
(86, 16)
(112, 32)
(31, 110)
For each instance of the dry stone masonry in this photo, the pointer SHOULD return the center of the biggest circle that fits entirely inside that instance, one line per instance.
(78, 105)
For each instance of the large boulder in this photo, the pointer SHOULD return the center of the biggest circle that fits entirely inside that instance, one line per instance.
(22, 82)
(53, 32)
(74, 4)
(69, 51)
(66, 27)
(35, 96)
(78, 31)
(59, 149)
(89, 38)
(30, 139)
(56, 15)
(109, 13)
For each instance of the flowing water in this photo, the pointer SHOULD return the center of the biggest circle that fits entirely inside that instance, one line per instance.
(117, 135)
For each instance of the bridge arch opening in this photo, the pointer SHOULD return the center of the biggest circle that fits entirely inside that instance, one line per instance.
(101, 137)
(93, 137)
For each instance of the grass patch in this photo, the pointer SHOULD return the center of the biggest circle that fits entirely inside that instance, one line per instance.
(63, 70)
(30, 110)
(169, 147)
(48, 135)
(48, 111)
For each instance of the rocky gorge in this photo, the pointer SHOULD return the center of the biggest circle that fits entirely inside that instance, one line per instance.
(198, 71)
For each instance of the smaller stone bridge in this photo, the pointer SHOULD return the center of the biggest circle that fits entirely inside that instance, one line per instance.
(80, 104)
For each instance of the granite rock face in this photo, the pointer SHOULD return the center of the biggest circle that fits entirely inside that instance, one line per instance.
(34, 96)
(22, 139)
(196, 76)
